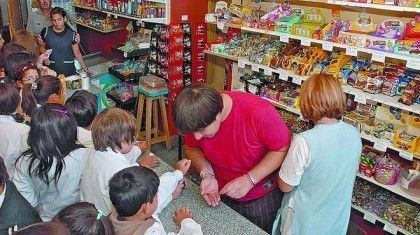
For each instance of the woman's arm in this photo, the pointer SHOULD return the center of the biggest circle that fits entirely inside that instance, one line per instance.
(78, 55)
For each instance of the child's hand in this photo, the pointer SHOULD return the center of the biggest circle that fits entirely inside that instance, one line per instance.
(142, 145)
(149, 161)
(183, 165)
(175, 194)
(182, 214)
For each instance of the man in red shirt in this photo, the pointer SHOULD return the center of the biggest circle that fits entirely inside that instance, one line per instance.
(236, 141)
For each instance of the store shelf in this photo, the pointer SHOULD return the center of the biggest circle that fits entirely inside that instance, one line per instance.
(384, 145)
(412, 62)
(226, 56)
(99, 30)
(158, 1)
(371, 217)
(392, 188)
(282, 106)
(375, 6)
(87, 8)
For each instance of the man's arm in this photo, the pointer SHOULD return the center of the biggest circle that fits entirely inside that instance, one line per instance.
(240, 186)
(198, 162)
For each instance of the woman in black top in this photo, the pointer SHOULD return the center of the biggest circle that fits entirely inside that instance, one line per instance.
(61, 39)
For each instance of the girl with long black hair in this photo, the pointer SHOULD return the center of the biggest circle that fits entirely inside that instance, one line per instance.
(48, 175)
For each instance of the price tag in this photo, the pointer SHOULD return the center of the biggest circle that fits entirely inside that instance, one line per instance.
(255, 67)
(220, 24)
(268, 71)
(283, 76)
(360, 98)
(404, 183)
(390, 228)
(328, 46)
(351, 51)
(368, 216)
(381, 146)
(125, 54)
(413, 63)
(115, 16)
(241, 64)
(378, 56)
(305, 42)
(406, 155)
(284, 38)
(296, 80)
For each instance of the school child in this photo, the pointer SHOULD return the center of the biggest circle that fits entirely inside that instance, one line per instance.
(15, 211)
(138, 195)
(45, 89)
(84, 107)
(48, 174)
(13, 135)
(319, 170)
(83, 218)
(113, 133)
(27, 74)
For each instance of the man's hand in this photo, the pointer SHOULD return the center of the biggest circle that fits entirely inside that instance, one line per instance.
(209, 190)
(237, 188)
(183, 165)
(149, 161)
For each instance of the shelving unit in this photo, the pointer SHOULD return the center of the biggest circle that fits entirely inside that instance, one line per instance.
(374, 6)
(371, 217)
(99, 30)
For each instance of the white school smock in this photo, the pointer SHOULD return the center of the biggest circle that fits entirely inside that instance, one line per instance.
(84, 137)
(13, 141)
(99, 170)
(50, 199)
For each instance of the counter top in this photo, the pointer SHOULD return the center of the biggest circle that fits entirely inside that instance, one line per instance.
(218, 220)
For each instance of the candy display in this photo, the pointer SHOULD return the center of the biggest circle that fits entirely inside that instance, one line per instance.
(387, 171)
(368, 160)
(97, 21)
(401, 214)
(129, 70)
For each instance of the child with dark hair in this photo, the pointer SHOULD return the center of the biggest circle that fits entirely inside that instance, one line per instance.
(26, 74)
(113, 133)
(138, 195)
(44, 228)
(48, 175)
(15, 211)
(14, 135)
(46, 89)
(15, 61)
(84, 107)
(83, 218)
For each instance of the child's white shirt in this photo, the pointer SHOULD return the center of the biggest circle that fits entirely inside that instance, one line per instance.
(99, 170)
(49, 200)
(13, 141)
(84, 137)
(296, 161)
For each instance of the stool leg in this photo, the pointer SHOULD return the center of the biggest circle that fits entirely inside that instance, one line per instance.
(148, 122)
(155, 118)
(165, 122)
(140, 106)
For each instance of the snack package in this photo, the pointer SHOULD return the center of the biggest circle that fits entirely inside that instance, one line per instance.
(313, 15)
(409, 47)
(407, 3)
(411, 92)
(306, 29)
(379, 43)
(412, 29)
(362, 24)
(352, 39)
(390, 86)
(390, 28)
(373, 84)
(401, 214)
(332, 30)
(387, 171)
(368, 160)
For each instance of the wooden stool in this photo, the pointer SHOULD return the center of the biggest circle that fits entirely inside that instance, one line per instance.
(152, 102)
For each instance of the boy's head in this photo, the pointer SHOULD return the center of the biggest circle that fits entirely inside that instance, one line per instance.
(321, 96)
(134, 190)
(9, 96)
(114, 128)
(44, 228)
(3, 173)
(196, 107)
(84, 107)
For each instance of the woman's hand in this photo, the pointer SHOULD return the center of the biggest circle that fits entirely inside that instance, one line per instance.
(39, 41)
(237, 188)
(209, 190)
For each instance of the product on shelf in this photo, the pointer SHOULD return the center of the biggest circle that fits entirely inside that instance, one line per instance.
(129, 70)
(401, 214)
(97, 21)
(368, 160)
(387, 170)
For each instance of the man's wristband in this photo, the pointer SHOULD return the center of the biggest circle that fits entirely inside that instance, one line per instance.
(204, 174)
(251, 180)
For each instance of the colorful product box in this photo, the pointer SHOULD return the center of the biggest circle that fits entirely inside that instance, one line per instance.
(352, 39)
(379, 43)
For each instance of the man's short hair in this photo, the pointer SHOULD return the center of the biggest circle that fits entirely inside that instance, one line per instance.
(196, 107)
(321, 96)
(112, 127)
(84, 107)
(132, 187)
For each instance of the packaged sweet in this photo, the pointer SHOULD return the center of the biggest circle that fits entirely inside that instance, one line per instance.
(331, 31)
(283, 10)
(373, 84)
(352, 39)
(408, 47)
(411, 92)
(387, 171)
(380, 202)
(390, 28)
(306, 29)
(407, 3)
(362, 24)
(379, 43)
(414, 226)
(368, 160)
(390, 86)
(402, 84)
(413, 28)
(313, 15)
(363, 192)
(285, 24)
(401, 214)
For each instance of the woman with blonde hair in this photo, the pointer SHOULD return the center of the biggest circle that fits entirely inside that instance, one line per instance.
(319, 170)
